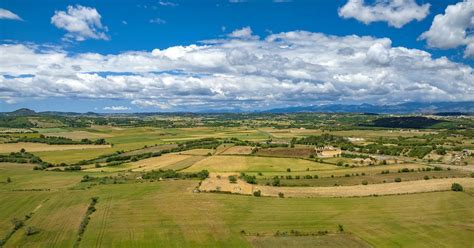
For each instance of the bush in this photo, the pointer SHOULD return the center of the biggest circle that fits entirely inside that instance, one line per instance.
(9, 180)
(232, 179)
(257, 193)
(276, 181)
(397, 180)
(31, 230)
(426, 177)
(365, 182)
(340, 163)
(456, 187)
(288, 170)
(472, 174)
(340, 228)
(17, 224)
(281, 195)
(248, 178)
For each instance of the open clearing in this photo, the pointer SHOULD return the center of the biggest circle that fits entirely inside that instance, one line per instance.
(158, 162)
(333, 240)
(251, 163)
(213, 183)
(39, 147)
(238, 150)
(146, 214)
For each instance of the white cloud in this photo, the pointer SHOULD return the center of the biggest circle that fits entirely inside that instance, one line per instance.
(81, 23)
(116, 108)
(150, 103)
(396, 12)
(292, 68)
(243, 33)
(157, 21)
(8, 15)
(453, 29)
(164, 3)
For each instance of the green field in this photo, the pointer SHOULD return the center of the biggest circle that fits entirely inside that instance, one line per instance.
(148, 179)
(169, 214)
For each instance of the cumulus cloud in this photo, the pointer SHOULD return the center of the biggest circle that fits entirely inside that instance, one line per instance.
(157, 21)
(8, 15)
(116, 108)
(453, 29)
(284, 69)
(81, 23)
(243, 33)
(396, 13)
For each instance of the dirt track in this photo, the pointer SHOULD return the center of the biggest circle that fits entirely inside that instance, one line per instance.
(222, 184)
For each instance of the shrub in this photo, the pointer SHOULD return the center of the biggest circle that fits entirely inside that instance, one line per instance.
(288, 170)
(257, 193)
(340, 163)
(9, 180)
(365, 182)
(397, 180)
(426, 177)
(31, 230)
(340, 228)
(281, 195)
(232, 179)
(405, 170)
(276, 181)
(456, 187)
(472, 174)
(248, 178)
(17, 224)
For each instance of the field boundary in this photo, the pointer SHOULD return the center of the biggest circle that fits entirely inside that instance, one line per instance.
(222, 184)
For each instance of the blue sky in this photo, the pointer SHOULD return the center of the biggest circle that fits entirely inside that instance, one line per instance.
(171, 41)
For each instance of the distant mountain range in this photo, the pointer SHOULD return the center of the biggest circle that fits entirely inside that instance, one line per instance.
(440, 108)
(444, 108)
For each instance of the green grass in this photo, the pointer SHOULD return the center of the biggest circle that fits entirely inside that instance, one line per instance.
(169, 214)
(256, 164)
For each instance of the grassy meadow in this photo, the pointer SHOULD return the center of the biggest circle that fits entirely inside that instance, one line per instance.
(139, 207)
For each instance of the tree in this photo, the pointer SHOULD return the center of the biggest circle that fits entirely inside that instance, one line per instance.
(456, 187)
(340, 163)
(22, 150)
(340, 228)
(9, 180)
(276, 181)
(281, 195)
(232, 179)
(257, 193)
(288, 170)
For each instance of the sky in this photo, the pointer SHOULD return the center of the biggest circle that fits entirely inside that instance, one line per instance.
(165, 56)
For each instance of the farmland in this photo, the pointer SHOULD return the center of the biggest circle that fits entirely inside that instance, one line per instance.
(238, 181)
